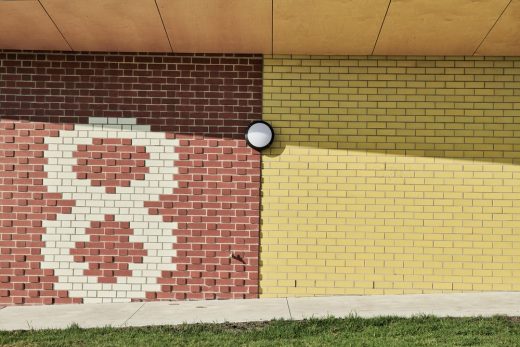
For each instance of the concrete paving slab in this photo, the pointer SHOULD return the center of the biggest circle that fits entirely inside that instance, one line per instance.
(442, 305)
(219, 311)
(214, 311)
(1, 307)
(62, 316)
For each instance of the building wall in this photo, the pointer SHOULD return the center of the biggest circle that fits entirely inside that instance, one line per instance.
(126, 177)
(391, 175)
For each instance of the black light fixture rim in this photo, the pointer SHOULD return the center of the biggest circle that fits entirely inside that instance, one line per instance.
(272, 135)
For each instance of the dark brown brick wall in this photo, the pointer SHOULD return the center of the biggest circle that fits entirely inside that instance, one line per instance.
(214, 95)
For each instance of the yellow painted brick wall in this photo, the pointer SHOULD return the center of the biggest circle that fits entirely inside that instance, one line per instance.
(391, 175)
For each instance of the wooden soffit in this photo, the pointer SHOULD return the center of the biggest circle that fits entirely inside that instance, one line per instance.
(504, 38)
(327, 27)
(109, 25)
(25, 25)
(338, 27)
(437, 27)
(239, 26)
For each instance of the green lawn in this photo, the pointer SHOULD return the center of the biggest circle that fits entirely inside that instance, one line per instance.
(385, 331)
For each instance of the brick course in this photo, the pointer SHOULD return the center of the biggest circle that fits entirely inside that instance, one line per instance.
(203, 102)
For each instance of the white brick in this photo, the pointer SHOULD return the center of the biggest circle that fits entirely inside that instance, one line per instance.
(55, 152)
(126, 212)
(106, 294)
(121, 299)
(77, 293)
(62, 258)
(65, 244)
(52, 140)
(83, 196)
(78, 279)
(95, 203)
(51, 235)
(90, 300)
(166, 240)
(82, 141)
(63, 272)
(53, 182)
(81, 238)
(168, 156)
(140, 142)
(124, 203)
(81, 209)
(139, 128)
(63, 286)
(49, 264)
(92, 286)
(51, 168)
(48, 251)
(150, 287)
(80, 225)
(97, 120)
(126, 120)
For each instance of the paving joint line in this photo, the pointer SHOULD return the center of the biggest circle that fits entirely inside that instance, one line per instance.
(133, 314)
(289, 307)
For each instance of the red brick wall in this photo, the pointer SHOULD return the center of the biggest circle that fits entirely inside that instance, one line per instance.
(203, 102)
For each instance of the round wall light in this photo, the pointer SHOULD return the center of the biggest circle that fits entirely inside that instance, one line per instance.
(259, 135)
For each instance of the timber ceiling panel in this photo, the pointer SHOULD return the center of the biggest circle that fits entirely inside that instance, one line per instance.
(218, 26)
(504, 39)
(405, 27)
(327, 27)
(25, 25)
(109, 25)
(437, 27)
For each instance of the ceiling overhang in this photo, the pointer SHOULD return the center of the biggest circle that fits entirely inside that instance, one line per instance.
(338, 27)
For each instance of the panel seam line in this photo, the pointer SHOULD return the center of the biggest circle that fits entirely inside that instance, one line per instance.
(491, 29)
(272, 27)
(381, 27)
(289, 308)
(164, 26)
(55, 25)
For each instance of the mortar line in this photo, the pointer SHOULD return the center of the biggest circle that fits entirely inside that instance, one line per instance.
(133, 314)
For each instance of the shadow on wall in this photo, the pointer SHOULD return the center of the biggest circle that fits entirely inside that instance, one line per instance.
(464, 137)
(445, 107)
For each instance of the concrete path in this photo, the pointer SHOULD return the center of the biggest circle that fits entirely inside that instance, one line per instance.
(171, 313)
